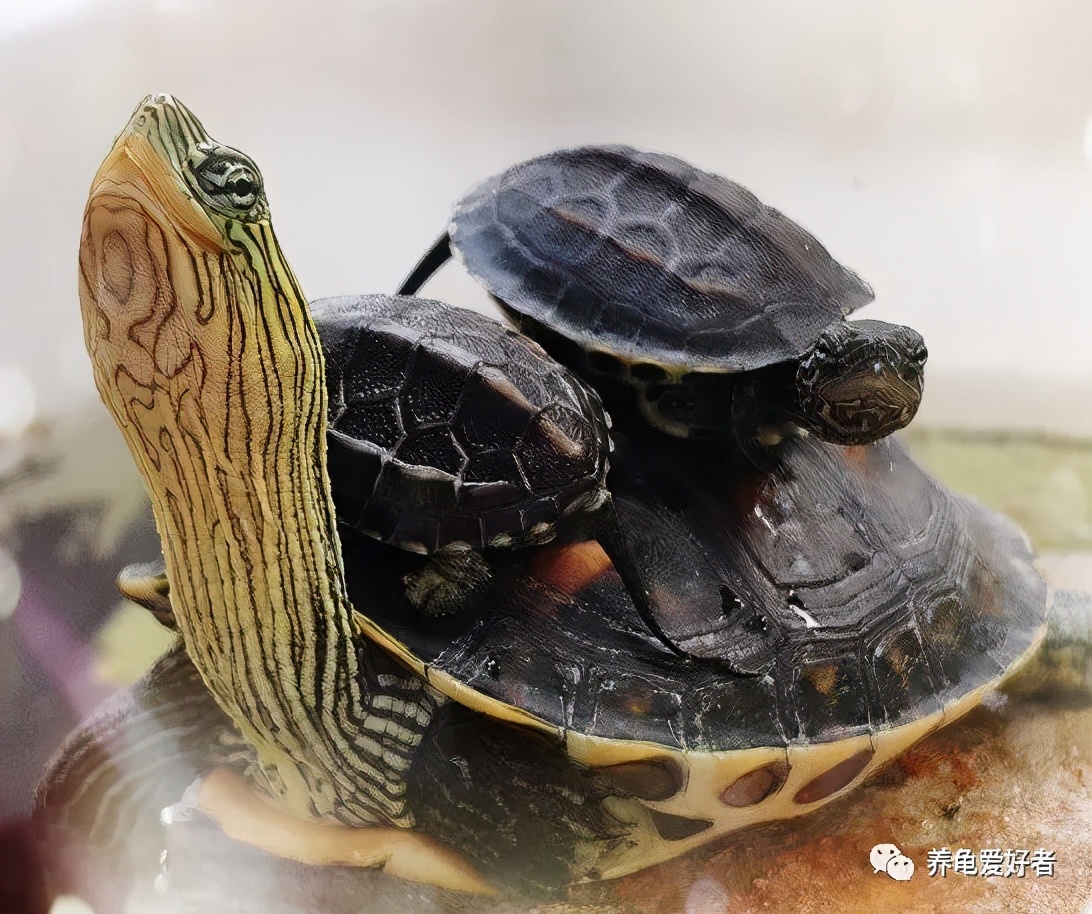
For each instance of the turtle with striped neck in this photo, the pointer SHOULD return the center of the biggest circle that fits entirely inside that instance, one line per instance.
(823, 619)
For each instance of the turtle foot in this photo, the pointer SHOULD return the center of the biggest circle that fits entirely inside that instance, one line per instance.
(449, 582)
(227, 799)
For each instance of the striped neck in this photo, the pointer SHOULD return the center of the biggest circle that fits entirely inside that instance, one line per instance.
(207, 356)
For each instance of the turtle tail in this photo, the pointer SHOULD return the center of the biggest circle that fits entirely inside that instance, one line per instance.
(435, 257)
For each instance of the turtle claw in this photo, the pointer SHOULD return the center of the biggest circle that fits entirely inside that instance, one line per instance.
(183, 810)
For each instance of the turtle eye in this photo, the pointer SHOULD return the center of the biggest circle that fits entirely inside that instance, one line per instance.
(229, 180)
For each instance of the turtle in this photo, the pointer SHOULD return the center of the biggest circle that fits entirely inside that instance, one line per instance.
(654, 278)
(831, 615)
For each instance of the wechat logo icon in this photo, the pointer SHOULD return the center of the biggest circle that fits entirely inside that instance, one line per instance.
(887, 858)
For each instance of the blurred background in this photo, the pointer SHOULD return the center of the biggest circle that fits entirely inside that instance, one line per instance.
(942, 149)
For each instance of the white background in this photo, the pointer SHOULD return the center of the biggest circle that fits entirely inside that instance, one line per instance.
(941, 149)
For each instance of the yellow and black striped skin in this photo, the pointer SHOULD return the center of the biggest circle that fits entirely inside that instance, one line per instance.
(205, 353)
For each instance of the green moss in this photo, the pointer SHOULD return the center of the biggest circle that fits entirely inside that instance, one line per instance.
(1044, 484)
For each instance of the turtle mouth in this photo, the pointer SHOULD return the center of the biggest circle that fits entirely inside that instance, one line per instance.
(144, 169)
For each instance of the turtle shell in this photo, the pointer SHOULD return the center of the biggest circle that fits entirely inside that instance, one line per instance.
(869, 604)
(645, 258)
(446, 427)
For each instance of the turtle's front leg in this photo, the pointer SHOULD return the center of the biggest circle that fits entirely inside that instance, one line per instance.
(232, 803)
(449, 581)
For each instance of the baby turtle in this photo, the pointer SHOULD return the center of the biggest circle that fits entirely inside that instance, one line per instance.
(449, 433)
(723, 314)
(544, 739)
(446, 427)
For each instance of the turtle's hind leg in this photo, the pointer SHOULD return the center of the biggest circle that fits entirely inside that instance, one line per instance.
(604, 526)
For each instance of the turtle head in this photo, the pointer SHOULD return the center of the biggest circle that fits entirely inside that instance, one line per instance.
(175, 225)
(205, 352)
(860, 381)
(186, 297)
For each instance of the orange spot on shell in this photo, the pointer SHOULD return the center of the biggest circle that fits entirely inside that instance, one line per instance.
(824, 678)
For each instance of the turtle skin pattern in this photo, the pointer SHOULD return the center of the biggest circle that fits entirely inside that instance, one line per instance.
(512, 800)
(446, 427)
(644, 257)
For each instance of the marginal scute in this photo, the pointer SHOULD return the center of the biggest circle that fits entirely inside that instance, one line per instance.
(903, 682)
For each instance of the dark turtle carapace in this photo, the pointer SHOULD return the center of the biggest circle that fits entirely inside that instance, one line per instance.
(446, 427)
(449, 433)
(723, 314)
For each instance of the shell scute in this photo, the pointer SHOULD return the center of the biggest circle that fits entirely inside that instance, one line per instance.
(902, 682)
(433, 447)
(830, 703)
(434, 386)
(378, 422)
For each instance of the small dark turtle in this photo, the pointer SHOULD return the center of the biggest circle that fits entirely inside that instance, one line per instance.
(721, 312)
(450, 433)
(446, 427)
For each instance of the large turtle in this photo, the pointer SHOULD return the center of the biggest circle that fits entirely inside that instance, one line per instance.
(723, 314)
(544, 738)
